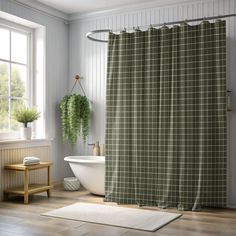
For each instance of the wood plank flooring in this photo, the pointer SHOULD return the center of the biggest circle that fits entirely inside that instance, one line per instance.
(25, 220)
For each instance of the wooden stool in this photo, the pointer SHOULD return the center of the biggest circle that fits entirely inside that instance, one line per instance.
(28, 189)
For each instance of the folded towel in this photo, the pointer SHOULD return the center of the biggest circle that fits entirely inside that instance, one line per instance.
(31, 161)
(32, 158)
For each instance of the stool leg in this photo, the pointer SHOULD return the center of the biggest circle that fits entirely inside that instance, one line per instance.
(49, 181)
(26, 187)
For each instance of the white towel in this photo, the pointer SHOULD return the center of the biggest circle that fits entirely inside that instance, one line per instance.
(31, 160)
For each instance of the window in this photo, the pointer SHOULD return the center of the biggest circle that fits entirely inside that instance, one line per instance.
(22, 73)
(15, 74)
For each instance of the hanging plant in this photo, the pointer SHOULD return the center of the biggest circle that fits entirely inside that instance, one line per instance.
(64, 117)
(85, 114)
(75, 115)
(73, 118)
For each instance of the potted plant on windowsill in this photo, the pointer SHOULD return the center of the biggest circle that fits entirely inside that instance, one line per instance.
(26, 115)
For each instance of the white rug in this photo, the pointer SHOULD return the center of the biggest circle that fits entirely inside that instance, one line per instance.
(139, 219)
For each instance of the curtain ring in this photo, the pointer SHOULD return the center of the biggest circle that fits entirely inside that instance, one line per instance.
(137, 29)
(123, 31)
(164, 26)
(204, 20)
(186, 22)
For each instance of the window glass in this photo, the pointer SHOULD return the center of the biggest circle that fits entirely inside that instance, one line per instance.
(14, 81)
(15, 125)
(18, 47)
(4, 44)
(18, 80)
(4, 79)
(4, 115)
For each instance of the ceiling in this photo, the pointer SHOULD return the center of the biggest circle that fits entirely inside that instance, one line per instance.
(82, 6)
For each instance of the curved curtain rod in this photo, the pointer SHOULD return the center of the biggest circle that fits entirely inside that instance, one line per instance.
(90, 33)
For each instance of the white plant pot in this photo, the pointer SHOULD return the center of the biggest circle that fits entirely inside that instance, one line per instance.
(26, 133)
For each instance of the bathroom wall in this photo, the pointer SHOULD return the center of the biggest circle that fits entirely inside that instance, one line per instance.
(57, 58)
(89, 59)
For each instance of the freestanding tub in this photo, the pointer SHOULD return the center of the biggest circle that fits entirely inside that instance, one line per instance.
(90, 170)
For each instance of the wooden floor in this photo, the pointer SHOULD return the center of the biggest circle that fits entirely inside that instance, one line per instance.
(25, 220)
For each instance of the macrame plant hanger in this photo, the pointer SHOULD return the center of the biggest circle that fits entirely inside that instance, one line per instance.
(77, 80)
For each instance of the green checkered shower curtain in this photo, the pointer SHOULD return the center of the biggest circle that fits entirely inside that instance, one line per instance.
(166, 117)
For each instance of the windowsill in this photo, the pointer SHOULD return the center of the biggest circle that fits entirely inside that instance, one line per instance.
(20, 143)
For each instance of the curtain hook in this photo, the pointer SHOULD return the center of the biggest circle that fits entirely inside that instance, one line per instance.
(204, 20)
(186, 21)
(123, 30)
(164, 26)
(138, 29)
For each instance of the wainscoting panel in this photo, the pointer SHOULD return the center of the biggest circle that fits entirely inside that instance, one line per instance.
(16, 155)
(89, 59)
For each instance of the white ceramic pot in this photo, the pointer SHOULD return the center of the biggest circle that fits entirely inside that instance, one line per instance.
(26, 133)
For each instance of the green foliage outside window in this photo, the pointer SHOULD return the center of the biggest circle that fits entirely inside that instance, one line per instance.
(17, 90)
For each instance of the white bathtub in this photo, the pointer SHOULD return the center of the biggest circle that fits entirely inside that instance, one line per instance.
(90, 170)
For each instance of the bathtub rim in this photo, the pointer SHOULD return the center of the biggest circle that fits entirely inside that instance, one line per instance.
(85, 159)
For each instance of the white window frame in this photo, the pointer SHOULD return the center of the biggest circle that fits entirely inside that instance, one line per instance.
(29, 32)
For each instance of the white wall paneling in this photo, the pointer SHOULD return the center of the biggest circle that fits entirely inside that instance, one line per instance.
(89, 59)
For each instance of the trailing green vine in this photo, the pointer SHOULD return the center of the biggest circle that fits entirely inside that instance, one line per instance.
(84, 106)
(75, 115)
(64, 117)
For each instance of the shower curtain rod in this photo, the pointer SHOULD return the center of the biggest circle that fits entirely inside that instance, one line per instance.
(90, 33)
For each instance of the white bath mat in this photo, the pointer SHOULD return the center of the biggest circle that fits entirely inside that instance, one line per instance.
(116, 216)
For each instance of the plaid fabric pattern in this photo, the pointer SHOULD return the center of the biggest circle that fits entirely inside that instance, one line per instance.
(166, 117)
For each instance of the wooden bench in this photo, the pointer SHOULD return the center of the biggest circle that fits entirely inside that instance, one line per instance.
(28, 189)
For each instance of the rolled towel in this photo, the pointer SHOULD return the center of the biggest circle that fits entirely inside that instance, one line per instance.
(31, 161)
